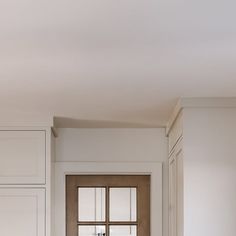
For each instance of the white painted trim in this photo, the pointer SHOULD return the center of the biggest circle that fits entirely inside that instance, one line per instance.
(13, 119)
(122, 168)
(54, 132)
(26, 128)
(229, 102)
(173, 117)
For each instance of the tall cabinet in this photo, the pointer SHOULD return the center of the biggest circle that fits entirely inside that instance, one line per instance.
(176, 179)
(202, 167)
(26, 175)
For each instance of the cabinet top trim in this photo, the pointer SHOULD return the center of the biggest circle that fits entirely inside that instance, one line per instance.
(25, 120)
(229, 102)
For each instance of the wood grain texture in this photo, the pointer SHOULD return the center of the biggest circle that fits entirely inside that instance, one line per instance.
(141, 182)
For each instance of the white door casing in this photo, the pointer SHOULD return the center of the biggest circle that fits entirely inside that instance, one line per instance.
(154, 169)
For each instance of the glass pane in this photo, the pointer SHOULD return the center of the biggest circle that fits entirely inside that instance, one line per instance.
(91, 230)
(126, 230)
(123, 204)
(91, 204)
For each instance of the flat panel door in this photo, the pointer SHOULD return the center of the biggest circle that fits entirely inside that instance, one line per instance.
(180, 189)
(22, 212)
(172, 196)
(22, 157)
(176, 192)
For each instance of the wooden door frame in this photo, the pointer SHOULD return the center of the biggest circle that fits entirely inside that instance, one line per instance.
(154, 169)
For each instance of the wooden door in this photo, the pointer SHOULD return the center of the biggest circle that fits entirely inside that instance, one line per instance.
(108, 205)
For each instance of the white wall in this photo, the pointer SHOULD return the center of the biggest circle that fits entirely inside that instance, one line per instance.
(114, 145)
(111, 145)
(209, 172)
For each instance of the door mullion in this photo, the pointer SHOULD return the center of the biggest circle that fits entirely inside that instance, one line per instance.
(107, 210)
(108, 182)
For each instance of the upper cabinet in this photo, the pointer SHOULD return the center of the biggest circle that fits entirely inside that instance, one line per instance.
(22, 156)
(26, 175)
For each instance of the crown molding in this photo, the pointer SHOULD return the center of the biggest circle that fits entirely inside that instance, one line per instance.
(216, 102)
(21, 119)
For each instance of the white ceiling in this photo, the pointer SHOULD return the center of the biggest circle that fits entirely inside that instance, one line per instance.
(115, 61)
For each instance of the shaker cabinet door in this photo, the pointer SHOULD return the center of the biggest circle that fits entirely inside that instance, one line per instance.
(176, 191)
(22, 156)
(172, 197)
(22, 212)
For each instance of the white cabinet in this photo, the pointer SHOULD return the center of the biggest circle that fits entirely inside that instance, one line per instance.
(22, 156)
(176, 191)
(26, 172)
(172, 196)
(176, 177)
(22, 212)
(202, 167)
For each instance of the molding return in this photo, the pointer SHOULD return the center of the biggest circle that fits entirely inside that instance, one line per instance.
(173, 117)
(54, 132)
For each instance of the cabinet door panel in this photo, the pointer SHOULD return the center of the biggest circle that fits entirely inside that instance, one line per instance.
(22, 157)
(172, 197)
(176, 191)
(22, 212)
(180, 189)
